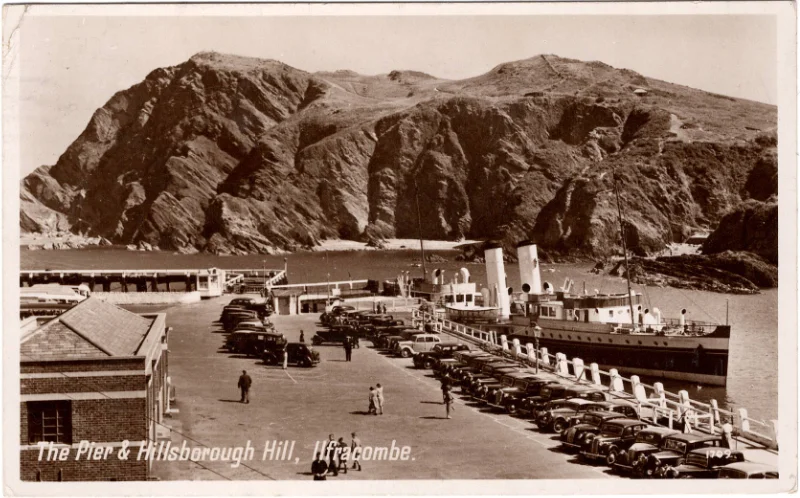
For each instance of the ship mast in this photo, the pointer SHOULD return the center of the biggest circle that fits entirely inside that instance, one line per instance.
(625, 252)
(419, 231)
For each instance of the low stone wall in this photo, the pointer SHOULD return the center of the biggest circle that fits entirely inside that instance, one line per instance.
(148, 297)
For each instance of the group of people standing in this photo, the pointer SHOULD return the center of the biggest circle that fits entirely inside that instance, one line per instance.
(375, 400)
(322, 469)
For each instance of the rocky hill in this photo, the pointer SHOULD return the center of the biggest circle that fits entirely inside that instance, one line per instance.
(235, 155)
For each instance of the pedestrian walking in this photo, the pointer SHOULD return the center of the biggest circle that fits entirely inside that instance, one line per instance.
(355, 452)
(333, 458)
(319, 468)
(348, 349)
(373, 403)
(302, 336)
(285, 357)
(445, 389)
(244, 385)
(448, 403)
(379, 398)
(342, 459)
(356, 342)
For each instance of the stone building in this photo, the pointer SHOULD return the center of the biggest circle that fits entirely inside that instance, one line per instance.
(95, 374)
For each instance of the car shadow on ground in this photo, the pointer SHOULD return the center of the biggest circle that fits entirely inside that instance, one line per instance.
(432, 402)
(242, 357)
(229, 400)
(344, 361)
(431, 417)
(360, 412)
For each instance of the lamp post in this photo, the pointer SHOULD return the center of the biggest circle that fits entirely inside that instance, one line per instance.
(537, 331)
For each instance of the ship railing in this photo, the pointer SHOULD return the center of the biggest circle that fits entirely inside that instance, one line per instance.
(654, 403)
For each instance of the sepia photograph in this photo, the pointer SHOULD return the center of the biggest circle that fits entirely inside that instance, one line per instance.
(401, 248)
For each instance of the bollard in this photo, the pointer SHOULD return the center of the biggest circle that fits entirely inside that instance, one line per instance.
(595, 369)
(635, 382)
(684, 409)
(544, 357)
(744, 424)
(531, 351)
(562, 365)
(504, 342)
(714, 415)
(517, 347)
(615, 381)
(577, 367)
(774, 424)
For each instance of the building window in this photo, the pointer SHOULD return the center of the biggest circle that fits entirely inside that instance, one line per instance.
(50, 421)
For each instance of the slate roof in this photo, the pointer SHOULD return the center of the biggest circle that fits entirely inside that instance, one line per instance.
(91, 328)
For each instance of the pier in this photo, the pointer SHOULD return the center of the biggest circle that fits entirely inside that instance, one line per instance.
(209, 282)
(757, 438)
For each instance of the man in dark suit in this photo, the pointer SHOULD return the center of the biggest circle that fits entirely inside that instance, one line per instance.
(319, 468)
(244, 385)
(348, 349)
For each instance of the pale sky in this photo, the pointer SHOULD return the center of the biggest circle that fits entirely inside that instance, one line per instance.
(70, 66)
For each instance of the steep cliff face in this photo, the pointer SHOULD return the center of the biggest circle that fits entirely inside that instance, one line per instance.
(751, 227)
(234, 155)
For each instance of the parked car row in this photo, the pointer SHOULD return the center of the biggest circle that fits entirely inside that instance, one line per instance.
(344, 323)
(249, 332)
(601, 427)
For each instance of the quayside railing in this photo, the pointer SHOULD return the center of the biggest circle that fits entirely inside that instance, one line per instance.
(653, 401)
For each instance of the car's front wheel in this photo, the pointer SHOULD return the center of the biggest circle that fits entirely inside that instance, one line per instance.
(611, 458)
(559, 425)
(405, 353)
(427, 364)
(511, 408)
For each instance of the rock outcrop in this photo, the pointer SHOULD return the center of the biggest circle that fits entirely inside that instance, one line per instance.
(751, 227)
(233, 155)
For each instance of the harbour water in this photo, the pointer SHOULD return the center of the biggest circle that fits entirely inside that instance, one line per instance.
(753, 362)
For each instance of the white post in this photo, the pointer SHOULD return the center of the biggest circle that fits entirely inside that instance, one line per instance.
(744, 424)
(714, 414)
(504, 342)
(685, 409)
(517, 347)
(595, 369)
(577, 367)
(544, 357)
(531, 351)
(561, 364)
(615, 381)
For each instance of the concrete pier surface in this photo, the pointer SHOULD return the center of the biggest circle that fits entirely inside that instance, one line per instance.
(306, 405)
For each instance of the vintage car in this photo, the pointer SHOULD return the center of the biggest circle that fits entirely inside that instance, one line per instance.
(748, 470)
(700, 463)
(471, 381)
(440, 351)
(443, 367)
(251, 342)
(587, 427)
(402, 336)
(418, 343)
(647, 441)
(615, 436)
(556, 415)
(300, 354)
(484, 385)
(516, 386)
(333, 335)
(328, 318)
(675, 448)
(531, 406)
(232, 318)
(259, 305)
(623, 406)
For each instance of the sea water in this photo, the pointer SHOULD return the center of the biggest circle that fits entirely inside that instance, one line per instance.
(753, 360)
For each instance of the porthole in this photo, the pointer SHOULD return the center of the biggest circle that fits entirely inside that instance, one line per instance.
(640, 343)
(666, 344)
(569, 337)
(627, 342)
(609, 340)
(559, 336)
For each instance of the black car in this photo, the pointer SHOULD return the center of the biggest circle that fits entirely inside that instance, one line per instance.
(253, 343)
(300, 354)
(586, 428)
(701, 463)
(533, 405)
(675, 448)
(616, 436)
(427, 359)
(648, 441)
(333, 335)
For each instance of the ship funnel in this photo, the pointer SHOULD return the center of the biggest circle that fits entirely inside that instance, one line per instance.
(547, 287)
(529, 267)
(464, 275)
(682, 318)
(657, 315)
(496, 278)
(487, 296)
